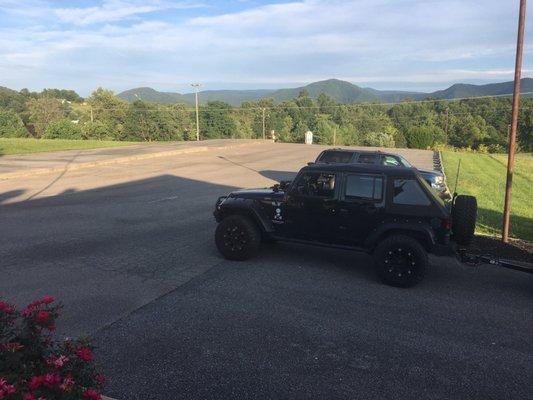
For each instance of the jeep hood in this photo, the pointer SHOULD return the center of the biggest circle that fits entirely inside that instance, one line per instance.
(257, 194)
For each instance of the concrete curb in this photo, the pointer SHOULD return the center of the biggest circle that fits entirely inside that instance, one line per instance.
(119, 160)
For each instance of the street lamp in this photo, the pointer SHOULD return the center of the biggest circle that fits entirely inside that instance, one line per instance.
(196, 87)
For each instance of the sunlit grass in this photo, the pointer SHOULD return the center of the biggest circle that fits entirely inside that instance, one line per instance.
(484, 176)
(25, 146)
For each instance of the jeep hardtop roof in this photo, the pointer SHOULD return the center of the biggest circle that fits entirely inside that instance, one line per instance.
(364, 168)
(384, 153)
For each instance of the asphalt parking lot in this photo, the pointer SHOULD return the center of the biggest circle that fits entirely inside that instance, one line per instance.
(129, 250)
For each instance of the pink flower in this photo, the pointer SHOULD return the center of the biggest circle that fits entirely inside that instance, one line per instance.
(92, 394)
(60, 361)
(67, 384)
(6, 307)
(100, 379)
(5, 388)
(29, 396)
(47, 300)
(36, 382)
(42, 316)
(51, 380)
(85, 354)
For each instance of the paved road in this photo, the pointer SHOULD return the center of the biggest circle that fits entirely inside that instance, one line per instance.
(129, 249)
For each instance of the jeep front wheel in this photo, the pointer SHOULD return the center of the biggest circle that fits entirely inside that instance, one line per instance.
(400, 261)
(237, 237)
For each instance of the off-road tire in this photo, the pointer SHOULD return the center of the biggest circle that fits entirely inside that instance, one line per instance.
(237, 237)
(464, 214)
(400, 261)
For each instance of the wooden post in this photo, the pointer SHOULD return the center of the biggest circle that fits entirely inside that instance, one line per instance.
(514, 121)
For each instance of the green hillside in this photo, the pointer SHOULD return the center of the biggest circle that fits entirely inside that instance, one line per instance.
(152, 95)
(460, 90)
(340, 91)
(233, 97)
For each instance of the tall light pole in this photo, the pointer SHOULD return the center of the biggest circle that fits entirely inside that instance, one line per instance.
(196, 87)
(514, 120)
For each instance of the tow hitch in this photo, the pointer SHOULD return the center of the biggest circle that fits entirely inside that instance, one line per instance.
(476, 259)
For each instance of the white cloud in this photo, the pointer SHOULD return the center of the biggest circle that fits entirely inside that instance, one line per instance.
(362, 41)
(116, 10)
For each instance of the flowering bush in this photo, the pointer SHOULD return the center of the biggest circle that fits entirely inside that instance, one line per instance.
(34, 366)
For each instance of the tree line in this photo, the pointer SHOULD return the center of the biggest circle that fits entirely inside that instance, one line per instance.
(479, 123)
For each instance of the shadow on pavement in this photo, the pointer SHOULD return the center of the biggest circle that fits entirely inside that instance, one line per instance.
(136, 267)
(11, 194)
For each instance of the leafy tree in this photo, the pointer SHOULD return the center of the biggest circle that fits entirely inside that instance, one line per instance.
(378, 139)
(109, 110)
(420, 137)
(43, 111)
(62, 129)
(96, 130)
(62, 94)
(216, 121)
(11, 125)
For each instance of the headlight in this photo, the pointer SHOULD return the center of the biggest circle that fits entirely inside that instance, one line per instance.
(439, 180)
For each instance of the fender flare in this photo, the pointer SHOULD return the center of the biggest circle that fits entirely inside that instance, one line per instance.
(245, 207)
(420, 229)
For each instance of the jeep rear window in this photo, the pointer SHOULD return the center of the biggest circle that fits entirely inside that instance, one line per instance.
(409, 192)
(364, 187)
(335, 157)
(317, 184)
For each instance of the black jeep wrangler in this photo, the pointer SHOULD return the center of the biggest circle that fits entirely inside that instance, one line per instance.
(390, 212)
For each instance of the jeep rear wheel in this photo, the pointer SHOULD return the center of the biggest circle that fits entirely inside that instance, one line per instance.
(400, 261)
(237, 237)
(464, 214)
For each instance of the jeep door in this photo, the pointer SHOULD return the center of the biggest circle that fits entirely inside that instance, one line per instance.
(310, 206)
(360, 207)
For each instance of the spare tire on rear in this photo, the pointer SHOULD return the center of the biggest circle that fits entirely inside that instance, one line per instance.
(464, 214)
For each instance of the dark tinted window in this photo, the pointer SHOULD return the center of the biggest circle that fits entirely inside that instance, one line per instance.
(409, 192)
(335, 157)
(363, 187)
(368, 158)
(316, 184)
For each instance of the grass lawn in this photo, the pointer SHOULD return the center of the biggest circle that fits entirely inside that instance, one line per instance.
(483, 176)
(25, 146)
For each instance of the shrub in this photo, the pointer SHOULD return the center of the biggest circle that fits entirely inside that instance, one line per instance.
(35, 366)
(96, 130)
(62, 129)
(482, 148)
(378, 139)
(420, 137)
(11, 125)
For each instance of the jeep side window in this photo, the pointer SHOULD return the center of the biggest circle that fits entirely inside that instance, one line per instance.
(364, 187)
(409, 192)
(367, 158)
(317, 184)
(336, 157)
(390, 161)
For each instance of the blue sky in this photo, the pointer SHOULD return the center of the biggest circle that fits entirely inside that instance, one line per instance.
(385, 44)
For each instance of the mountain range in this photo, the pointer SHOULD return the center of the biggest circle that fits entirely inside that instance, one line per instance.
(338, 90)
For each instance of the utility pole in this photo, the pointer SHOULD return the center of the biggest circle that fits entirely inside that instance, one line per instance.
(334, 136)
(92, 118)
(446, 115)
(196, 87)
(263, 123)
(514, 121)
